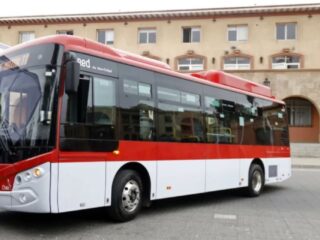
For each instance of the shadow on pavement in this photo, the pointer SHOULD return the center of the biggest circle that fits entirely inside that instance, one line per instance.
(57, 224)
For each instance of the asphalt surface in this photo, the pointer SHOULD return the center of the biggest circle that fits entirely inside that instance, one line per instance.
(288, 210)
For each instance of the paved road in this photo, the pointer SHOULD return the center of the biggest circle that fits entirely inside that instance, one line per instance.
(289, 210)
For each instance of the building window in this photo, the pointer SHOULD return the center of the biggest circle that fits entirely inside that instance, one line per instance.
(236, 63)
(147, 35)
(286, 31)
(105, 36)
(286, 62)
(191, 34)
(299, 112)
(65, 32)
(26, 36)
(238, 33)
(191, 64)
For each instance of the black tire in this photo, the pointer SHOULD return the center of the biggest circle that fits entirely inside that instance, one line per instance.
(126, 199)
(256, 181)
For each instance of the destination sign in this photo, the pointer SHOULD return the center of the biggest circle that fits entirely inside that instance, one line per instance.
(97, 65)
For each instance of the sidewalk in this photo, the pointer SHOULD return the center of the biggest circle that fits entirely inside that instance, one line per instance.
(304, 162)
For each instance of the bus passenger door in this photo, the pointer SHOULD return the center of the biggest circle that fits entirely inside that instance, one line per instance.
(180, 135)
(87, 133)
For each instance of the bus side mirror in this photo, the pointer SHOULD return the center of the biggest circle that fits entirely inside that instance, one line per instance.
(72, 77)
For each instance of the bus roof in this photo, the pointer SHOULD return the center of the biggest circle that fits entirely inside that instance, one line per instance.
(234, 82)
(216, 78)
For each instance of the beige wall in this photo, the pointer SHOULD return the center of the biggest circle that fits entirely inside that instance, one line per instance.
(261, 40)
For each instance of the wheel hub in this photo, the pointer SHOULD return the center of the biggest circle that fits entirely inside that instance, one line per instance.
(256, 181)
(131, 196)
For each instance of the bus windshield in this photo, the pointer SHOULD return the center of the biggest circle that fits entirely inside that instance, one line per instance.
(27, 84)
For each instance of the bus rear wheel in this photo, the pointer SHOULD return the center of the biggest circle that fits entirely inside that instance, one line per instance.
(127, 192)
(256, 180)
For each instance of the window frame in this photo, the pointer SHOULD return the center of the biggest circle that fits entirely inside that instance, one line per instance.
(190, 66)
(147, 31)
(237, 28)
(286, 31)
(190, 56)
(21, 33)
(65, 32)
(250, 58)
(105, 36)
(291, 103)
(286, 64)
(192, 29)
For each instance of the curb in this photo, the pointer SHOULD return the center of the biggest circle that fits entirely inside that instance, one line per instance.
(306, 166)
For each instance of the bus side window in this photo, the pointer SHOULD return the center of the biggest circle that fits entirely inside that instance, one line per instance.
(91, 112)
(79, 104)
(104, 108)
(263, 129)
(179, 116)
(229, 122)
(137, 111)
(212, 116)
(247, 114)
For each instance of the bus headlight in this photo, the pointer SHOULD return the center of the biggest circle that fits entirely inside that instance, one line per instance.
(18, 179)
(27, 176)
(38, 172)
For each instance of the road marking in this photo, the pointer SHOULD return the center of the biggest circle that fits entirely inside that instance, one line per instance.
(225, 216)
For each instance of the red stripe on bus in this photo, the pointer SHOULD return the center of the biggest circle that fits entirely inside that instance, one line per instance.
(152, 151)
(162, 151)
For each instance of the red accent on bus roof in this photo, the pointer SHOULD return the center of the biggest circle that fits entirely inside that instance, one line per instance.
(233, 81)
(78, 43)
(218, 78)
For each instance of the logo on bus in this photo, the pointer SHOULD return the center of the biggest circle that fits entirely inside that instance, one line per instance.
(84, 63)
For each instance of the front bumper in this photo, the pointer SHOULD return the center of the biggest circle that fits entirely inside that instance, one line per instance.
(29, 196)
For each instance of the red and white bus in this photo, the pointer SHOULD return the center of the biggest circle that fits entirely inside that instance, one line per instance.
(87, 126)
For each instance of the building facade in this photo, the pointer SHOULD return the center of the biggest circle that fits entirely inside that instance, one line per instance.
(274, 45)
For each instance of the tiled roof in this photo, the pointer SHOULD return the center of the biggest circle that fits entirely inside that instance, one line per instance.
(167, 15)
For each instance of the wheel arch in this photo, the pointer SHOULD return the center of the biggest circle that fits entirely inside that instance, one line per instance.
(259, 162)
(145, 177)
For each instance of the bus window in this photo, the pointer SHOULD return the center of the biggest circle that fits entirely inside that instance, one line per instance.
(179, 116)
(90, 114)
(137, 122)
(213, 110)
(275, 118)
(179, 124)
(229, 122)
(137, 111)
(18, 109)
(247, 115)
(220, 120)
(271, 127)
(104, 101)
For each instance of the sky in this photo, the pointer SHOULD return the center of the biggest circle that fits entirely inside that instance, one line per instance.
(52, 7)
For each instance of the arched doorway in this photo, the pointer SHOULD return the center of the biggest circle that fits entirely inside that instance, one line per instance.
(303, 118)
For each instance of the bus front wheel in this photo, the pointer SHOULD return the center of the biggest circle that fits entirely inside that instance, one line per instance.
(256, 180)
(126, 200)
